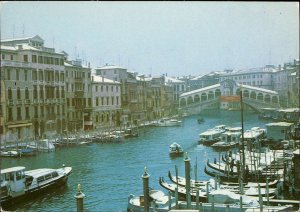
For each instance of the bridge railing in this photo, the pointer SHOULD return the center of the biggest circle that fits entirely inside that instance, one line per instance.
(200, 103)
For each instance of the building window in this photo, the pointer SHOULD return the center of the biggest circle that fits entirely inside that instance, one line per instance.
(26, 75)
(117, 100)
(8, 74)
(10, 115)
(27, 113)
(107, 88)
(40, 59)
(112, 88)
(18, 93)
(58, 110)
(9, 93)
(17, 74)
(26, 93)
(107, 100)
(34, 75)
(35, 92)
(19, 117)
(42, 111)
(41, 75)
(35, 112)
(97, 101)
(117, 89)
(3, 56)
(11, 57)
(34, 59)
(102, 100)
(25, 58)
(112, 100)
(41, 92)
(101, 88)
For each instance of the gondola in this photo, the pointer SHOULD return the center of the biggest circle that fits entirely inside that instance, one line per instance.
(235, 178)
(182, 191)
(197, 184)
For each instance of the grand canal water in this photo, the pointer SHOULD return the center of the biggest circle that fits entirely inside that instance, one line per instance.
(108, 173)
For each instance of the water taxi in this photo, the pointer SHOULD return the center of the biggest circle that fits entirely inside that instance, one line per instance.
(16, 183)
(175, 149)
(209, 137)
(168, 122)
(229, 139)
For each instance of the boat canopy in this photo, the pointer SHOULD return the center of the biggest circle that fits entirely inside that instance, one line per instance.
(12, 169)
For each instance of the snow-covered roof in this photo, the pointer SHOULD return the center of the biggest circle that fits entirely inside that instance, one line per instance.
(172, 80)
(201, 89)
(258, 89)
(110, 67)
(143, 78)
(103, 79)
(8, 48)
(36, 37)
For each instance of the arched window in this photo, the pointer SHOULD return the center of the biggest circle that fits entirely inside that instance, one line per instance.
(26, 93)
(18, 93)
(190, 100)
(9, 93)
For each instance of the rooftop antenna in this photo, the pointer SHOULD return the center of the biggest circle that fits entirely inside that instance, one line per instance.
(13, 31)
(23, 32)
(75, 50)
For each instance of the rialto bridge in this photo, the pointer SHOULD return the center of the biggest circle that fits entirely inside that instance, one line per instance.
(226, 95)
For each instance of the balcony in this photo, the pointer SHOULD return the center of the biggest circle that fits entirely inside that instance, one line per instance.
(27, 101)
(35, 101)
(79, 94)
(10, 102)
(19, 102)
(41, 101)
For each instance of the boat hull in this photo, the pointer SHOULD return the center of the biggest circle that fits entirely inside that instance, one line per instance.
(8, 201)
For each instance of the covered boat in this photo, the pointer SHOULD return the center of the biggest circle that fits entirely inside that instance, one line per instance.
(175, 149)
(16, 183)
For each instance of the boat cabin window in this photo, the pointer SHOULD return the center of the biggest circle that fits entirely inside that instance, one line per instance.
(40, 179)
(54, 174)
(48, 176)
(9, 176)
(20, 175)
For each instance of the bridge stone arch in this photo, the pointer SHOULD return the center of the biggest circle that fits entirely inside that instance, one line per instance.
(182, 102)
(267, 98)
(196, 98)
(260, 97)
(210, 95)
(228, 93)
(203, 97)
(253, 95)
(190, 100)
(217, 92)
(246, 94)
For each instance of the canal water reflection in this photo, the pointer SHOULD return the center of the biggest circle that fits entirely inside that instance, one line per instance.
(108, 173)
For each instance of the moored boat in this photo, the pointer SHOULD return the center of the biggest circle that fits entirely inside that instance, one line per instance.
(16, 183)
(168, 122)
(175, 149)
(158, 202)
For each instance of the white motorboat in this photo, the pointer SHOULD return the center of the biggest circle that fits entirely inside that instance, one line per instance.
(158, 202)
(209, 137)
(10, 153)
(16, 183)
(168, 122)
(175, 149)
(229, 139)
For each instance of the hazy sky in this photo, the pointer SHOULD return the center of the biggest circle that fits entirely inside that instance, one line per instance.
(178, 38)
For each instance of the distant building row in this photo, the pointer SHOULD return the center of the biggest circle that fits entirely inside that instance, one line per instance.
(44, 94)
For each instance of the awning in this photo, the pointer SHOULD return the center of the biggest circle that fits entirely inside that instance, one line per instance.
(19, 125)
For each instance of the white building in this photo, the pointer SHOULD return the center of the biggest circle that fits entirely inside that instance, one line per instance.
(177, 85)
(258, 77)
(34, 87)
(106, 102)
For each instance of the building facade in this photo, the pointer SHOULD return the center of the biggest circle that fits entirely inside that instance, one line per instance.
(34, 88)
(78, 96)
(106, 103)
